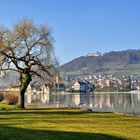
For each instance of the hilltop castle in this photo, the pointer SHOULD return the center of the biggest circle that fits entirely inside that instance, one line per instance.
(95, 54)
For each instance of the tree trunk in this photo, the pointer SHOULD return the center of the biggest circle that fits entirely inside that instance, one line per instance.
(24, 85)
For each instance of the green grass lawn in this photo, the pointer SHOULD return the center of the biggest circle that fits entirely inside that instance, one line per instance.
(5, 106)
(106, 90)
(67, 124)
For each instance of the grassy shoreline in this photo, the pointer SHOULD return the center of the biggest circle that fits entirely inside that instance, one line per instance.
(132, 91)
(67, 124)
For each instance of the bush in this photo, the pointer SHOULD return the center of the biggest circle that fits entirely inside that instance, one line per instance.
(1, 96)
(11, 98)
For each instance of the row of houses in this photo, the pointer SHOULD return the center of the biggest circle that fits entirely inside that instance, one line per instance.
(46, 88)
(104, 83)
(117, 83)
(73, 86)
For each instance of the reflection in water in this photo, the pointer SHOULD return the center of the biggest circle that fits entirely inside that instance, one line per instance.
(117, 102)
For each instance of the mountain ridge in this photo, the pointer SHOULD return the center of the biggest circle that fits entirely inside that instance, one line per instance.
(114, 62)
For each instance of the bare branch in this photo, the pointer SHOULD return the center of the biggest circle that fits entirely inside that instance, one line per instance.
(27, 46)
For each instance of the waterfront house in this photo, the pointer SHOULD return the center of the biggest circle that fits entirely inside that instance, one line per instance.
(135, 85)
(103, 83)
(47, 88)
(115, 83)
(33, 93)
(32, 88)
(59, 87)
(81, 86)
(75, 85)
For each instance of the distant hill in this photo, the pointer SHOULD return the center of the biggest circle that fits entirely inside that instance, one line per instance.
(120, 62)
(10, 79)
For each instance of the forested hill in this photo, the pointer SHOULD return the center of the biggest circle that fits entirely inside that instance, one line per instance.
(121, 62)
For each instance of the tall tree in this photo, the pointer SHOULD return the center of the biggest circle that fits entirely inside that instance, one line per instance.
(27, 49)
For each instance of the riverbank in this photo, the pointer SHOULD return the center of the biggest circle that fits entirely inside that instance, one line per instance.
(132, 91)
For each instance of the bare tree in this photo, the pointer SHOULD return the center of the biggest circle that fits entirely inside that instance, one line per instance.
(27, 49)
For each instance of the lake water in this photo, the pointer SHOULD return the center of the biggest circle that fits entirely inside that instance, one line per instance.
(115, 102)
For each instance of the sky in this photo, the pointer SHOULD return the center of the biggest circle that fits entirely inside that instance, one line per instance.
(80, 27)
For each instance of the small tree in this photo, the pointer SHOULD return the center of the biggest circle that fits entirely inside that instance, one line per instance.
(27, 49)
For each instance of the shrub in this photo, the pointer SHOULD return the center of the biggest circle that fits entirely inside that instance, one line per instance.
(11, 98)
(1, 96)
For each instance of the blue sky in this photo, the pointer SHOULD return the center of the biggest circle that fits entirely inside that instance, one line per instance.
(80, 26)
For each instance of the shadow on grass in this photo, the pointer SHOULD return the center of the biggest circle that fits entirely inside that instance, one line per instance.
(47, 112)
(43, 112)
(13, 133)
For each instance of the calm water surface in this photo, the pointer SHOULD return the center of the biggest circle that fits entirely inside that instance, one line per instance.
(115, 102)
